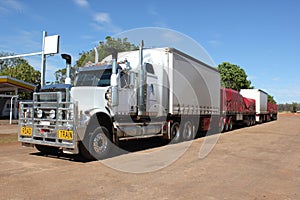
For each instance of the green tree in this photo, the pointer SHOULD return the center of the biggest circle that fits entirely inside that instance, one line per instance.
(60, 75)
(294, 106)
(25, 72)
(233, 76)
(271, 99)
(9, 62)
(105, 49)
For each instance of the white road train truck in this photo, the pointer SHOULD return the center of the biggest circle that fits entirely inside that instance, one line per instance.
(158, 92)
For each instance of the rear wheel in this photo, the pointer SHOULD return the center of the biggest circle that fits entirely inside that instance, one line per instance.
(175, 133)
(188, 131)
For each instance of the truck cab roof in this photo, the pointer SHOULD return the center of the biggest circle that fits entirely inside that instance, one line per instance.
(96, 68)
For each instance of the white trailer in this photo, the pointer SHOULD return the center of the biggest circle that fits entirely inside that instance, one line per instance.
(151, 92)
(261, 102)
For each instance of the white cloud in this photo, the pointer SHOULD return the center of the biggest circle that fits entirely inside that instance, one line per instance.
(82, 3)
(102, 17)
(97, 27)
(104, 22)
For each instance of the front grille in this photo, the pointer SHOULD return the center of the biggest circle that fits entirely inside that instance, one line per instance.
(46, 115)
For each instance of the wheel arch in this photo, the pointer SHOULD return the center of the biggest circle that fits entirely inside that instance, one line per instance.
(99, 119)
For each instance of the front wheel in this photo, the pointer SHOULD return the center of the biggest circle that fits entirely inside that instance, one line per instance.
(98, 144)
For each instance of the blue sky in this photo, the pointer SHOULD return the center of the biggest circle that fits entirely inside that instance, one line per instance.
(261, 36)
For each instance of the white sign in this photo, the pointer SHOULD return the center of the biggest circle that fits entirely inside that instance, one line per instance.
(51, 44)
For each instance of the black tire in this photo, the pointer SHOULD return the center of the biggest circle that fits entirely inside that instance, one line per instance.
(222, 126)
(97, 145)
(84, 152)
(226, 127)
(260, 120)
(253, 120)
(230, 126)
(46, 149)
(188, 131)
(175, 133)
(249, 122)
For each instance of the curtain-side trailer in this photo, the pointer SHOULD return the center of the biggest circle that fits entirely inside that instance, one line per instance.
(261, 101)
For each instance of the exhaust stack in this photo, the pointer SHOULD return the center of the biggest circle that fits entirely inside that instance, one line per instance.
(67, 57)
(142, 91)
(114, 81)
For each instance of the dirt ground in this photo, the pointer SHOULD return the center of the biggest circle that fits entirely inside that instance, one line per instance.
(259, 162)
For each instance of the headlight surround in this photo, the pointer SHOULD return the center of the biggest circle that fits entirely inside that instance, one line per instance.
(27, 113)
(52, 114)
(71, 115)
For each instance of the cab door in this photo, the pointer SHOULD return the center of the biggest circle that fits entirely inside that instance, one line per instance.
(152, 91)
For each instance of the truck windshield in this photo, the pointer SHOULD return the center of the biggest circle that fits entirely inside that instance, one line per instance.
(100, 78)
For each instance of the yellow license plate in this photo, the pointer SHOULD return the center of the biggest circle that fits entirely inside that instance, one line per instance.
(65, 135)
(26, 131)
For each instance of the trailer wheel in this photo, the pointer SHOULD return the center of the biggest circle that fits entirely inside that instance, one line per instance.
(97, 145)
(226, 127)
(260, 119)
(252, 121)
(249, 121)
(188, 131)
(175, 133)
(230, 125)
(222, 126)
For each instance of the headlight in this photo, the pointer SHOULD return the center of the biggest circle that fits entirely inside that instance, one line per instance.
(39, 113)
(52, 114)
(60, 114)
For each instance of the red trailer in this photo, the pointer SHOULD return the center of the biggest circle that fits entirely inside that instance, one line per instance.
(272, 110)
(235, 109)
(249, 111)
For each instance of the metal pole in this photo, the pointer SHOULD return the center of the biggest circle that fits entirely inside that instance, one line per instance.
(20, 55)
(11, 105)
(43, 65)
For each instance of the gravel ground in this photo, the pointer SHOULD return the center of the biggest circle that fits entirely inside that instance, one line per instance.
(259, 162)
